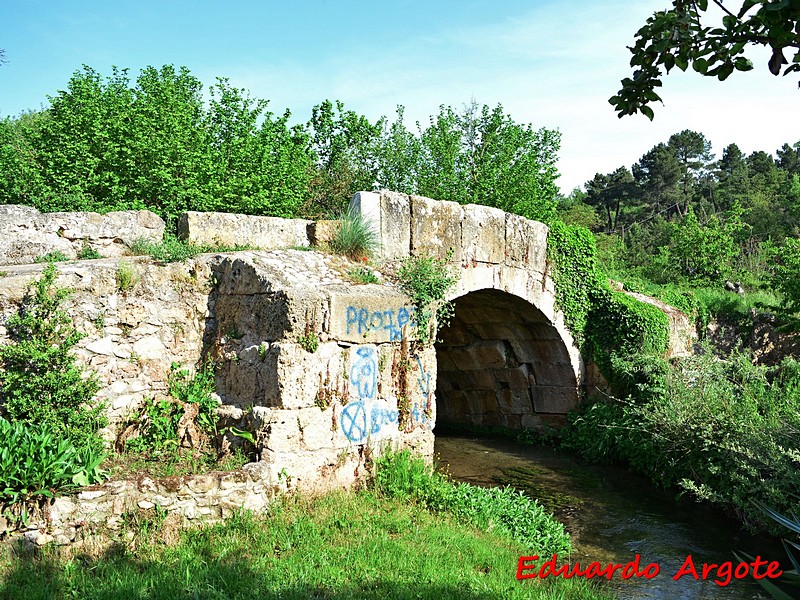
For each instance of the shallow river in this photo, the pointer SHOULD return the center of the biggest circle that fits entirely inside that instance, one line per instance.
(612, 515)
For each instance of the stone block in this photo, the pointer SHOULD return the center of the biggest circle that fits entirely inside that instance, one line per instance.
(385, 315)
(323, 231)
(368, 204)
(395, 225)
(518, 378)
(515, 401)
(525, 243)
(224, 229)
(435, 228)
(479, 355)
(483, 235)
(554, 399)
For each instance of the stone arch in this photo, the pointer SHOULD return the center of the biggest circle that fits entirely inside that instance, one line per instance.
(502, 362)
(501, 261)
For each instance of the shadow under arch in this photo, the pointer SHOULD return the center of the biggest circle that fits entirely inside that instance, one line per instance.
(501, 362)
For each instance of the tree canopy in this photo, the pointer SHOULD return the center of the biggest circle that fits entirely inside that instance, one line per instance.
(682, 36)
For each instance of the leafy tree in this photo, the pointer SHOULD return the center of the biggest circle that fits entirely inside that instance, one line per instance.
(482, 156)
(681, 35)
(658, 174)
(344, 145)
(693, 152)
(608, 193)
(789, 158)
(705, 252)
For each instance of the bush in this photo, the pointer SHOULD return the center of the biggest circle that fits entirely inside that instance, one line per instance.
(725, 431)
(426, 280)
(513, 513)
(40, 383)
(35, 462)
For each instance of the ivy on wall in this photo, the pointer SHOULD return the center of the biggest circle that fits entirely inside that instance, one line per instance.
(605, 324)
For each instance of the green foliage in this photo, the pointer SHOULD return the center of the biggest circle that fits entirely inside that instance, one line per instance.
(681, 36)
(344, 145)
(786, 276)
(724, 431)
(363, 275)
(88, 253)
(706, 252)
(158, 428)
(572, 257)
(405, 477)
(39, 379)
(621, 325)
(36, 461)
(50, 257)
(426, 281)
(159, 419)
(125, 276)
(113, 144)
(196, 389)
(354, 237)
(309, 342)
(604, 323)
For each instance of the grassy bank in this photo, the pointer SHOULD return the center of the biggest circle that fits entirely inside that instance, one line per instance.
(371, 544)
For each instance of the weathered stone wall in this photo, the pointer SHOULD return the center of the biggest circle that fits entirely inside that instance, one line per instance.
(26, 234)
(324, 371)
(196, 498)
(132, 335)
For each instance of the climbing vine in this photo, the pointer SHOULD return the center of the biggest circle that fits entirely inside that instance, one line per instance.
(604, 323)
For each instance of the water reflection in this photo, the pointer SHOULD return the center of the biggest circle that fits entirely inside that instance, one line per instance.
(613, 514)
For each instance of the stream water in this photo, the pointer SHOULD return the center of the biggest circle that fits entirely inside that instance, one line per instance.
(612, 515)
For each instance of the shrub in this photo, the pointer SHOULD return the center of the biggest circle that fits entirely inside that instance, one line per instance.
(39, 379)
(363, 275)
(88, 253)
(426, 280)
(354, 238)
(725, 431)
(36, 461)
(518, 517)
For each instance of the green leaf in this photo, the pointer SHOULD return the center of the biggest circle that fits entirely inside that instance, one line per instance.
(681, 62)
(648, 112)
(700, 65)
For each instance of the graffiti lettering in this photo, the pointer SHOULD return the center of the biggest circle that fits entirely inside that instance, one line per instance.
(363, 419)
(364, 373)
(393, 321)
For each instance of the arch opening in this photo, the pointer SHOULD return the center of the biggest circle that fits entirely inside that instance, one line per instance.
(501, 362)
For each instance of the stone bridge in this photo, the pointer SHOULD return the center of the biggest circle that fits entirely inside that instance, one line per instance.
(506, 358)
(323, 371)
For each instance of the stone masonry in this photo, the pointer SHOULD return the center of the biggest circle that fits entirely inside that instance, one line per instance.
(324, 372)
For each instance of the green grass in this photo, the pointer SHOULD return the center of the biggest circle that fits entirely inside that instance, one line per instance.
(340, 546)
(171, 249)
(355, 237)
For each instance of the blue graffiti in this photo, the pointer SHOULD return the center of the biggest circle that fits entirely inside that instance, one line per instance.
(360, 419)
(354, 421)
(380, 416)
(364, 373)
(424, 379)
(364, 321)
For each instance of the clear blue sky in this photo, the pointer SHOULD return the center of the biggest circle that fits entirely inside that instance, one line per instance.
(549, 63)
